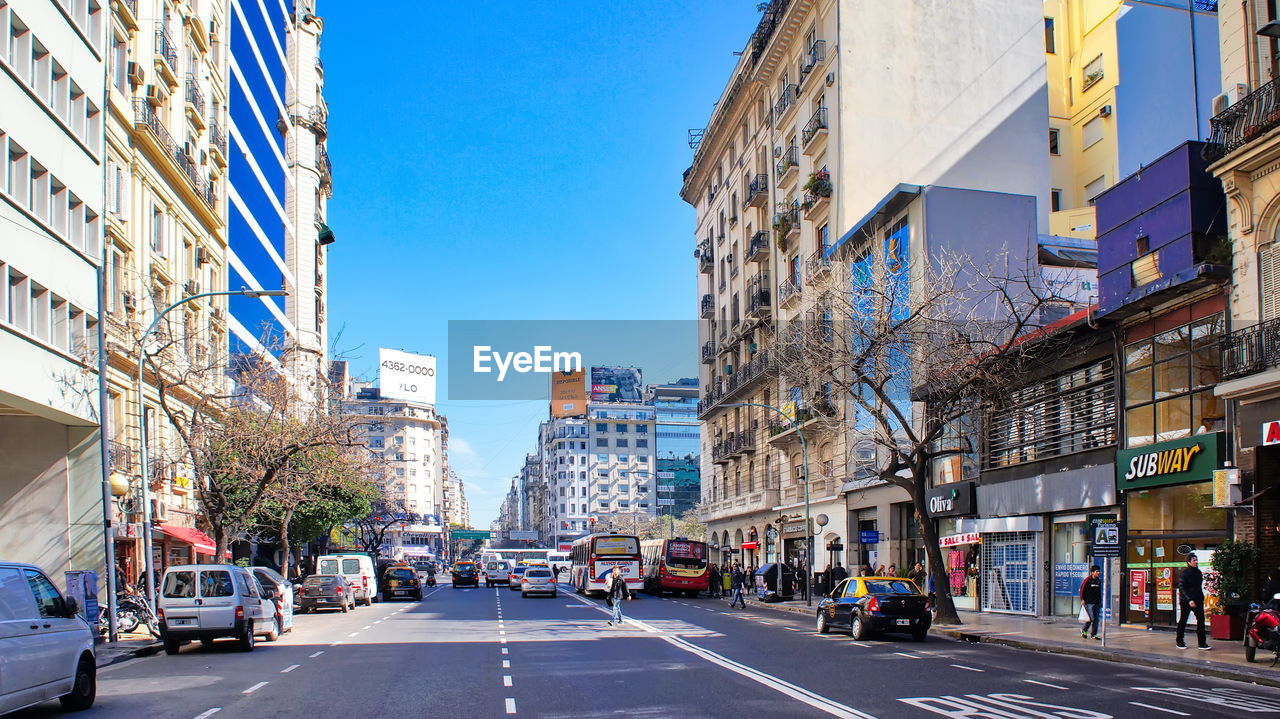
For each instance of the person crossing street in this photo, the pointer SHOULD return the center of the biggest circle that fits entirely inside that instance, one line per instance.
(615, 594)
(739, 579)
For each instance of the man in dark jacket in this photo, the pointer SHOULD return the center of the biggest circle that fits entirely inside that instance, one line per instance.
(739, 580)
(1191, 599)
(838, 574)
(1091, 598)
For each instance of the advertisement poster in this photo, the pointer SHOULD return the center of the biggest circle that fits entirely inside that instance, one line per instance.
(617, 545)
(406, 376)
(1138, 598)
(569, 393)
(1067, 578)
(1164, 588)
(616, 384)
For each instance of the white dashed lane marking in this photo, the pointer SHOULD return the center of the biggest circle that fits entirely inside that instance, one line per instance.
(1160, 709)
(506, 680)
(208, 713)
(511, 705)
(967, 669)
(255, 687)
(313, 656)
(289, 668)
(1044, 684)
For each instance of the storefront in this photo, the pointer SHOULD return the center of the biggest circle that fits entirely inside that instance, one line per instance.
(1009, 565)
(795, 540)
(174, 545)
(946, 504)
(1169, 513)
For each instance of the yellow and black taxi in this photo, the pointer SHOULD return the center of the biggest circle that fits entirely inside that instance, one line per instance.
(866, 605)
(400, 581)
(465, 574)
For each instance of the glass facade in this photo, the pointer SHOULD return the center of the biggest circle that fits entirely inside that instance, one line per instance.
(1168, 383)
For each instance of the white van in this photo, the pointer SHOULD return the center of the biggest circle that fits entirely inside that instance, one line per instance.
(358, 570)
(497, 571)
(208, 601)
(46, 649)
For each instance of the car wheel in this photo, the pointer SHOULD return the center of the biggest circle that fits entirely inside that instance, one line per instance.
(823, 628)
(172, 646)
(247, 639)
(524, 594)
(206, 642)
(554, 595)
(857, 630)
(274, 634)
(1250, 650)
(85, 688)
(919, 635)
(303, 610)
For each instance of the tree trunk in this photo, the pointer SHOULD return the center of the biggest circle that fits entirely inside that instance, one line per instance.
(219, 543)
(944, 607)
(284, 542)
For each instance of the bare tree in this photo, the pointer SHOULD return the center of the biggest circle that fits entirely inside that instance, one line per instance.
(899, 354)
(370, 531)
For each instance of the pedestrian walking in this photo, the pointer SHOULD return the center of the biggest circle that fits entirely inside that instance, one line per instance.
(802, 580)
(893, 571)
(1091, 599)
(713, 583)
(1191, 601)
(615, 594)
(918, 575)
(739, 580)
(838, 574)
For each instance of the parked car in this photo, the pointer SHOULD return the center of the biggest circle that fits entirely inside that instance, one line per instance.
(864, 605)
(515, 576)
(46, 648)
(538, 580)
(326, 591)
(495, 572)
(280, 592)
(210, 601)
(465, 574)
(400, 581)
(358, 570)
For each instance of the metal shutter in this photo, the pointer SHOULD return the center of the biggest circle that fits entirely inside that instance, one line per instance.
(1269, 280)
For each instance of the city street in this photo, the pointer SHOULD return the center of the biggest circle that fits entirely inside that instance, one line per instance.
(488, 652)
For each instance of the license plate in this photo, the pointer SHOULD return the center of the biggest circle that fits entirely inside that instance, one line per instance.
(182, 621)
(904, 622)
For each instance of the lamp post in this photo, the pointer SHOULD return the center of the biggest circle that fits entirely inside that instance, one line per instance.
(144, 453)
(804, 459)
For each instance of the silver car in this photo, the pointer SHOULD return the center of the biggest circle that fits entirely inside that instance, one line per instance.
(538, 580)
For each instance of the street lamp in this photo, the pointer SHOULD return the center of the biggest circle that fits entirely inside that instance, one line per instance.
(142, 423)
(804, 459)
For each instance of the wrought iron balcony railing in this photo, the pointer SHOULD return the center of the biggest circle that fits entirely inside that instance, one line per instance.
(1245, 121)
(165, 47)
(145, 116)
(788, 161)
(814, 55)
(218, 136)
(758, 250)
(817, 124)
(1251, 350)
(707, 308)
(195, 97)
(757, 190)
(725, 387)
(785, 100)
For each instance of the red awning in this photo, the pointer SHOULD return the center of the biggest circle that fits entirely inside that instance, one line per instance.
(201, 542)
(750, 545)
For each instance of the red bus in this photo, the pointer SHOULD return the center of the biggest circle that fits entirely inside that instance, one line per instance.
(594, 556)
(675, 565)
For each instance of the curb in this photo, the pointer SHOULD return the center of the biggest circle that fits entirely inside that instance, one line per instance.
(1122, 656)
(117, 656)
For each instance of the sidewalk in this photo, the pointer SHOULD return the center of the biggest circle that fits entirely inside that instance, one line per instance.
(1127, 644)
(129, 646)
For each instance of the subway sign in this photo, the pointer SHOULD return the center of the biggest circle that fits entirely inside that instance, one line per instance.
(1191, 459)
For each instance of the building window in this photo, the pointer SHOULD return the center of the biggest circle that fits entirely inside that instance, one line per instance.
(1070, 412)
(622, 442)
(620, 428)
(1049, 45)
(602, 442)
(1168, 384)
(1092, 73)
(642, 428)
(1091, 133)
(1053, 141)
(1095, 188)
(602, 427)
(1055, 200)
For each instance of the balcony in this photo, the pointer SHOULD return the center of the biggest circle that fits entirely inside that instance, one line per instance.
(788, 164)
(733, 444)
(781, 432)
(166, 56)
(707, 307)
(194, 104)
(818, 265)
(757, 191)
(814, 129)
(786, 101)
(816, 193)
(318, 120)
(728, 386)
(708, 352)
(789, 292)
(146, 119)
(813, 57)
(1251, 350)
(1252, 117)
(759, 297)
(127, 11)
(324, 166)
(764, 500)
(786, 223)
(758, 250)
(217, 143)
(123, 458)
(706, 257)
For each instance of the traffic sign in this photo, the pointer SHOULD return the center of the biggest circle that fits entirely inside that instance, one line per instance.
(471, 534)
(1104, 530)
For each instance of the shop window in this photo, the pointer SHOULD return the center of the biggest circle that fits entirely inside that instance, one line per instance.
(1169, 382)
(1070, 412)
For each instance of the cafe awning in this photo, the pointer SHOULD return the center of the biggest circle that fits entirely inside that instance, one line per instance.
(750, 545)
(201, 542)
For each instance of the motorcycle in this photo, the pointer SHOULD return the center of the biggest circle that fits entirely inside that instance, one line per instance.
(1262, 630)
(131, 611)
(431, 580)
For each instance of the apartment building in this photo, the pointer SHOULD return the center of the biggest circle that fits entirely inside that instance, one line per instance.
(562, 480)
(621, 474)
(1244, 149)
(457, 511)
(51, 90)
(678, 442)
(410, 436)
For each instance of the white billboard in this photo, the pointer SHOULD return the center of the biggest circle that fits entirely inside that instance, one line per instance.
(407, 376)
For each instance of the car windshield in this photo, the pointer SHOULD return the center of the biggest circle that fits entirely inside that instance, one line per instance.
(403, 575)
(320, 581)
(464, 567)
(538, 573)
(519, 570)
(890, 587)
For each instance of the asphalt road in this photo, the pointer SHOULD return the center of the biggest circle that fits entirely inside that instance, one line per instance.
(480, 652)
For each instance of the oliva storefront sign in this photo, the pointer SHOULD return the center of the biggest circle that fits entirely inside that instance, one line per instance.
(1191, 459)
(954, 499)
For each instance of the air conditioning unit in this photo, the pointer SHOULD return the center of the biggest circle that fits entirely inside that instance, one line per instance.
(191, 287)
(217, 313)
(160, 511)
(128, 301)
(1230, 97)
(777, 151)
(202, 256)
(1104, 111)
(831, 78)
(135, 74)
(156, 95)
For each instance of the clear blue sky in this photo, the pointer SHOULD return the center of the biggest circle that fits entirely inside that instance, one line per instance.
(512, 161)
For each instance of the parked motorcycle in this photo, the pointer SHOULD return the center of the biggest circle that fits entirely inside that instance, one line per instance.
(131, 611)
(1262, 630)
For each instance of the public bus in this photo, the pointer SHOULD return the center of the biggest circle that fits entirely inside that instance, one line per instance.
(595, 555)
(678, 566)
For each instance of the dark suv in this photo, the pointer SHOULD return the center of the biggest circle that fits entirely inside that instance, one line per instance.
(466, 573)
(401, 581)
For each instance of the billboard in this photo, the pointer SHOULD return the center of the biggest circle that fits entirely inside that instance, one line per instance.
(616, 384)
(569, 394)
(407, 376)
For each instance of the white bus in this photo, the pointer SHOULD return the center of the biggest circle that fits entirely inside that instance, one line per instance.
(594, 556)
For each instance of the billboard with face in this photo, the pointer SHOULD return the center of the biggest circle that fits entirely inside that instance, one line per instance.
(616, 384)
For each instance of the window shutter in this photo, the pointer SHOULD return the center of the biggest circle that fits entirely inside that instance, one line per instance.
(113, 188)
(1269, 280)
